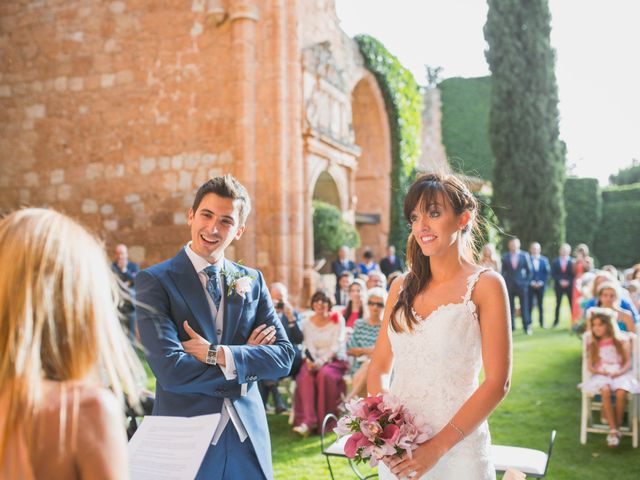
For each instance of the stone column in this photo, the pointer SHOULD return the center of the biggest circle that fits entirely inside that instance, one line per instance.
(280, 134)
(296, 165)
(243, 15)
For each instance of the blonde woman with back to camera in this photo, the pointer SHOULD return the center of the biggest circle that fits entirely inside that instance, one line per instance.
(446, 319)
(60, 341)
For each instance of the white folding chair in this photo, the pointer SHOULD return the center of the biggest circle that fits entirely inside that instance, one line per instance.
(336, 449)
(533, 463)
(593, 403)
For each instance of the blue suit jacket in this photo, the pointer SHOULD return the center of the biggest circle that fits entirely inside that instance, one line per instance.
(542, 274)
(184, 385)
(521, 276)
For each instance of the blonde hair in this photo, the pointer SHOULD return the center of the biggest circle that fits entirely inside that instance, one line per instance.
(58, 316)
(607, 285)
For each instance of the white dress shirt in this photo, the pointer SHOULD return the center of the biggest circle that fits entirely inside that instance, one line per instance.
(229, 370)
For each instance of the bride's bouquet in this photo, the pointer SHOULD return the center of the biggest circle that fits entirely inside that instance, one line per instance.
(380, 426)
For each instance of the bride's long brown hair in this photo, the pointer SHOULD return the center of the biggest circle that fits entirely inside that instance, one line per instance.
(426, 190)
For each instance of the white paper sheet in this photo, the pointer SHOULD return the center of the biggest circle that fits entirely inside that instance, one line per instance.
(170, 448)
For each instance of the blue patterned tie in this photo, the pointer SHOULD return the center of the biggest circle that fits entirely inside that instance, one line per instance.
(213, 284)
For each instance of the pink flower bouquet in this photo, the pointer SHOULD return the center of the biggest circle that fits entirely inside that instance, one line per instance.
(380, 426)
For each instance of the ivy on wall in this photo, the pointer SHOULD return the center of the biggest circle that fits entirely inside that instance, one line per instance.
(403, 102)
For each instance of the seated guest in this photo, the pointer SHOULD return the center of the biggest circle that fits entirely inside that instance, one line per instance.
(126, 271)
(582, 263)
(368, 263)
(61, 346)
(635, 275)
(320, 383)
(342, 292)
(634, 293)
(625, 303)
(343, 264)
(290, 320)
(611, 367)
(357, 299)
(608, 296)
(489, 258)
(392, 278)
(363, 339)
(376, 279)
(613, 271)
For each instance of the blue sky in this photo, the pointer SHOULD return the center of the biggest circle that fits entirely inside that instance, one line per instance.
(597, 45)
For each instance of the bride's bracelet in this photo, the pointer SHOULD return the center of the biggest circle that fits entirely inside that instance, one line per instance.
(460, 432)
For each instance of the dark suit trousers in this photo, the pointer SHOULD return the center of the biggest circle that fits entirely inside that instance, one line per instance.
(519, 291)
(536, 295)
(232, 459)
(559, 293)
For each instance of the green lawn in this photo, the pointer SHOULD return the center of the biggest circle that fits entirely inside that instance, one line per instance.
(543, 397)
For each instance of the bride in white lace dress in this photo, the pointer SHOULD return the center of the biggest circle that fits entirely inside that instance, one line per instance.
(448, 318)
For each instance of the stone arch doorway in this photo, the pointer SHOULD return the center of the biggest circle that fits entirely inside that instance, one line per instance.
(328, 182)
(326, 190)
(373, 173)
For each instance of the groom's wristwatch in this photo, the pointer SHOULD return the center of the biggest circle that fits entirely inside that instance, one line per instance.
(212, 355)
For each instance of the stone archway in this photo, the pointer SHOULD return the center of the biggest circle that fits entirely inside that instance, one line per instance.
(326, 190)
(373, 173)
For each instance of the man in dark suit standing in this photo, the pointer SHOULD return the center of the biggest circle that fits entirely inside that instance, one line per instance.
(391, 263)
(516, 270)
(562, 273)
(341, 265)
(540, 270)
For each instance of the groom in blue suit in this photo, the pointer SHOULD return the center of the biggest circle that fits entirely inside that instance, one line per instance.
(210, 333)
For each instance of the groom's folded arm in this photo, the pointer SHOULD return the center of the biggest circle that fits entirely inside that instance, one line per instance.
(264, 362)
(175, 370)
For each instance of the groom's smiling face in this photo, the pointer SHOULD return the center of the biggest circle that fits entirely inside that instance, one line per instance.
(214, 225)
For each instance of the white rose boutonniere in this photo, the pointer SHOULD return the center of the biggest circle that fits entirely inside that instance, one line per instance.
(238, 282)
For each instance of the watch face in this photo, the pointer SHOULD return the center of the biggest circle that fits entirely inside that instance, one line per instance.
(211, 355)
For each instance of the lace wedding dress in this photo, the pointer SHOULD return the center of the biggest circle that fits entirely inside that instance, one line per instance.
(436, 368)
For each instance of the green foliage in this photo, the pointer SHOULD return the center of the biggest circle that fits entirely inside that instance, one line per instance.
(466, 103)
(626, 176)
(583, 203)
(489, 231)
(403, 103)
(617, 237)
(330, 231)
(529, 165)
(543, 397)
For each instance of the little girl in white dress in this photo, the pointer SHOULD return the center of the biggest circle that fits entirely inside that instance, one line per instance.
(609, 361)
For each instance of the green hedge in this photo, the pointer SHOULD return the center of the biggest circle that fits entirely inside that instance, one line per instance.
(583, 204)
(403, 103)
(330, 231)
(466, 103)
(618, 237)
(626, 176)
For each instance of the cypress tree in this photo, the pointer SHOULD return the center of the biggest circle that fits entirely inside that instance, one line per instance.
(529, 164)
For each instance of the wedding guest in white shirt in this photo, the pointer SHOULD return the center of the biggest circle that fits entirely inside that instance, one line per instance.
(540, 275)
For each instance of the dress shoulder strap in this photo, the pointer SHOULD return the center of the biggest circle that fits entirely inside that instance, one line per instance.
(471, 282)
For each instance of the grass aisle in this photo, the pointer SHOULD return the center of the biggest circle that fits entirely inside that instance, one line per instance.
(543, 397)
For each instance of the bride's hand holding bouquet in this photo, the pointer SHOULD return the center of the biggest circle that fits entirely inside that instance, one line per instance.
(381, 428)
